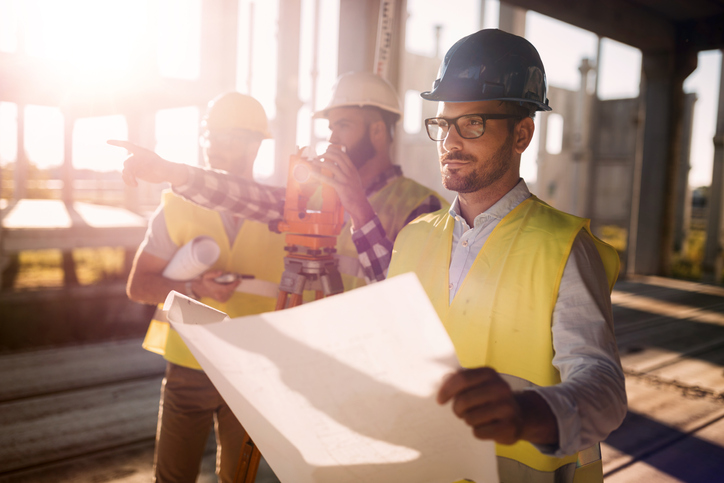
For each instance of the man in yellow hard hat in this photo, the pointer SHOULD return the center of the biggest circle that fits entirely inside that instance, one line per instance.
(379, 200)
(232, 131)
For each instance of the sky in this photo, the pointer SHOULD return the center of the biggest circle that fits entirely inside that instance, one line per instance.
(60, 34)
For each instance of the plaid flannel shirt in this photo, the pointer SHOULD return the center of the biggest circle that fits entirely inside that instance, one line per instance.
(221, 191)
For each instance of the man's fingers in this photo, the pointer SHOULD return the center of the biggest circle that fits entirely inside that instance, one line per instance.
(483, 395)
(463, 380)
(340, 159)
(502, 432)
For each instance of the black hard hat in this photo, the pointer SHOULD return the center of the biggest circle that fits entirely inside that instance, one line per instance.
(491, 65)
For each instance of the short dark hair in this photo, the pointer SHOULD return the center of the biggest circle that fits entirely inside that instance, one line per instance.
(522, 109)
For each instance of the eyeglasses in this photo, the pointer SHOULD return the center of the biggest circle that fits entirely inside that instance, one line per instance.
(469, 126)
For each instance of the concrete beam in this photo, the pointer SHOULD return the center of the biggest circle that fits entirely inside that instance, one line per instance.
(619, 20)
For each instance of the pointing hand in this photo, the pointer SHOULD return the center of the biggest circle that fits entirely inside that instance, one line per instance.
(148, 166)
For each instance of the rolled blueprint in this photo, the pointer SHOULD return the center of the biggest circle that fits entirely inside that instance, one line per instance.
(192, 259)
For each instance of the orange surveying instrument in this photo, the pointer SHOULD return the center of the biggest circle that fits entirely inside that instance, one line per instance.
(310, 264)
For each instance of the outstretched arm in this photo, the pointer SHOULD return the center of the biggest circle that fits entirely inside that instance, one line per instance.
(212, 189)
(148, 166)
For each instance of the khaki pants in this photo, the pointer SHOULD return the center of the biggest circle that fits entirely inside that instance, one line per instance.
(189, 406)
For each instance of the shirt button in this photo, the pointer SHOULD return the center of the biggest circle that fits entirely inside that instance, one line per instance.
(450, 286)
(464, 243)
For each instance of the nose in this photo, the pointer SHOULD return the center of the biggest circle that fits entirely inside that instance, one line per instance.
(333, 138)
(452, 140)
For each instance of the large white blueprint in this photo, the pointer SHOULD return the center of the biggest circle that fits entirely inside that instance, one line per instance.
(342, 389)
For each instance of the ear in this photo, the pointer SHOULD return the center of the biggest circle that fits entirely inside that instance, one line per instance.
(378, 132)
(523, 134)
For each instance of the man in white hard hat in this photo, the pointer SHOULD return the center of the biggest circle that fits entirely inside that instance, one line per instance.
(362, 113)
(232, 131)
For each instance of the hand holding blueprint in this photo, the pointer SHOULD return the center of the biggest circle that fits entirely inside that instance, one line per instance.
(342, 389)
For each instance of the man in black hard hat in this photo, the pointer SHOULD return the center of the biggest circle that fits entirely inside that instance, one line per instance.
(526, 291)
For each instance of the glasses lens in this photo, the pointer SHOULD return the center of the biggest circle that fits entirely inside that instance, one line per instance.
(437, 128)
(471, 127)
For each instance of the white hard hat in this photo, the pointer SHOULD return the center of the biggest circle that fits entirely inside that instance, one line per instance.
(358, 89)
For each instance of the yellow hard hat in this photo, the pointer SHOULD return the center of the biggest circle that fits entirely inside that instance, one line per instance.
(359, 89)
(236, 110)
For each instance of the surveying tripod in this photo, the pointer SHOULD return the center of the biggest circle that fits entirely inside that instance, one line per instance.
(310, 263)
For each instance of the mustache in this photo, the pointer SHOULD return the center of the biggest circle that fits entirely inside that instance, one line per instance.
(457, 156)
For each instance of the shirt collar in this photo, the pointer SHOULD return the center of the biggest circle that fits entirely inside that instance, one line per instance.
(383, 179)
(502, 207)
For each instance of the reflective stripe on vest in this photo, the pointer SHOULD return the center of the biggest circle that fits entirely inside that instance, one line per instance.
(511, 288)
(256, 251)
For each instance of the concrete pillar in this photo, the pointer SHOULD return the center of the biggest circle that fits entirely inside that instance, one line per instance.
(358, 26)
(512, 19)
(581, 187)
(219, 39)
(682, 217)
(68, 174)
(654, 196)
(712, 265)
(141, 131)
(21, 160)
(357, 34)
(481, 18)
(287, 100)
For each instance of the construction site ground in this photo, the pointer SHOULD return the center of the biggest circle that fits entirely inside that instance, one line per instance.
(88, 413)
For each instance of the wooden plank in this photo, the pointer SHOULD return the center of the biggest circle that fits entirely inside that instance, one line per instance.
(52, 428)
(47, 371)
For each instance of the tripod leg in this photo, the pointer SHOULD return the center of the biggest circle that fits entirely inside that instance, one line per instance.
(281, 300)
(248, 462)
(295, 299)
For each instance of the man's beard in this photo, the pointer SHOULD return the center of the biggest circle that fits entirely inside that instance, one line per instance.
(361, 151)
(483, 175)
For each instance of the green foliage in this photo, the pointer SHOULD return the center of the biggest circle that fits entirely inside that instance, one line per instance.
(686, 264)
(614, 236)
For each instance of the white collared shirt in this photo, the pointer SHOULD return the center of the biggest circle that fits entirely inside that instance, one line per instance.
(590, 402)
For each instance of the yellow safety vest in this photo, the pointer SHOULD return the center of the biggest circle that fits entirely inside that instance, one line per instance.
(256, 251)
(511, 289)
(393, 204)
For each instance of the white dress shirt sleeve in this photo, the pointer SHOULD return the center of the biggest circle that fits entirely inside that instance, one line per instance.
(590, 402)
